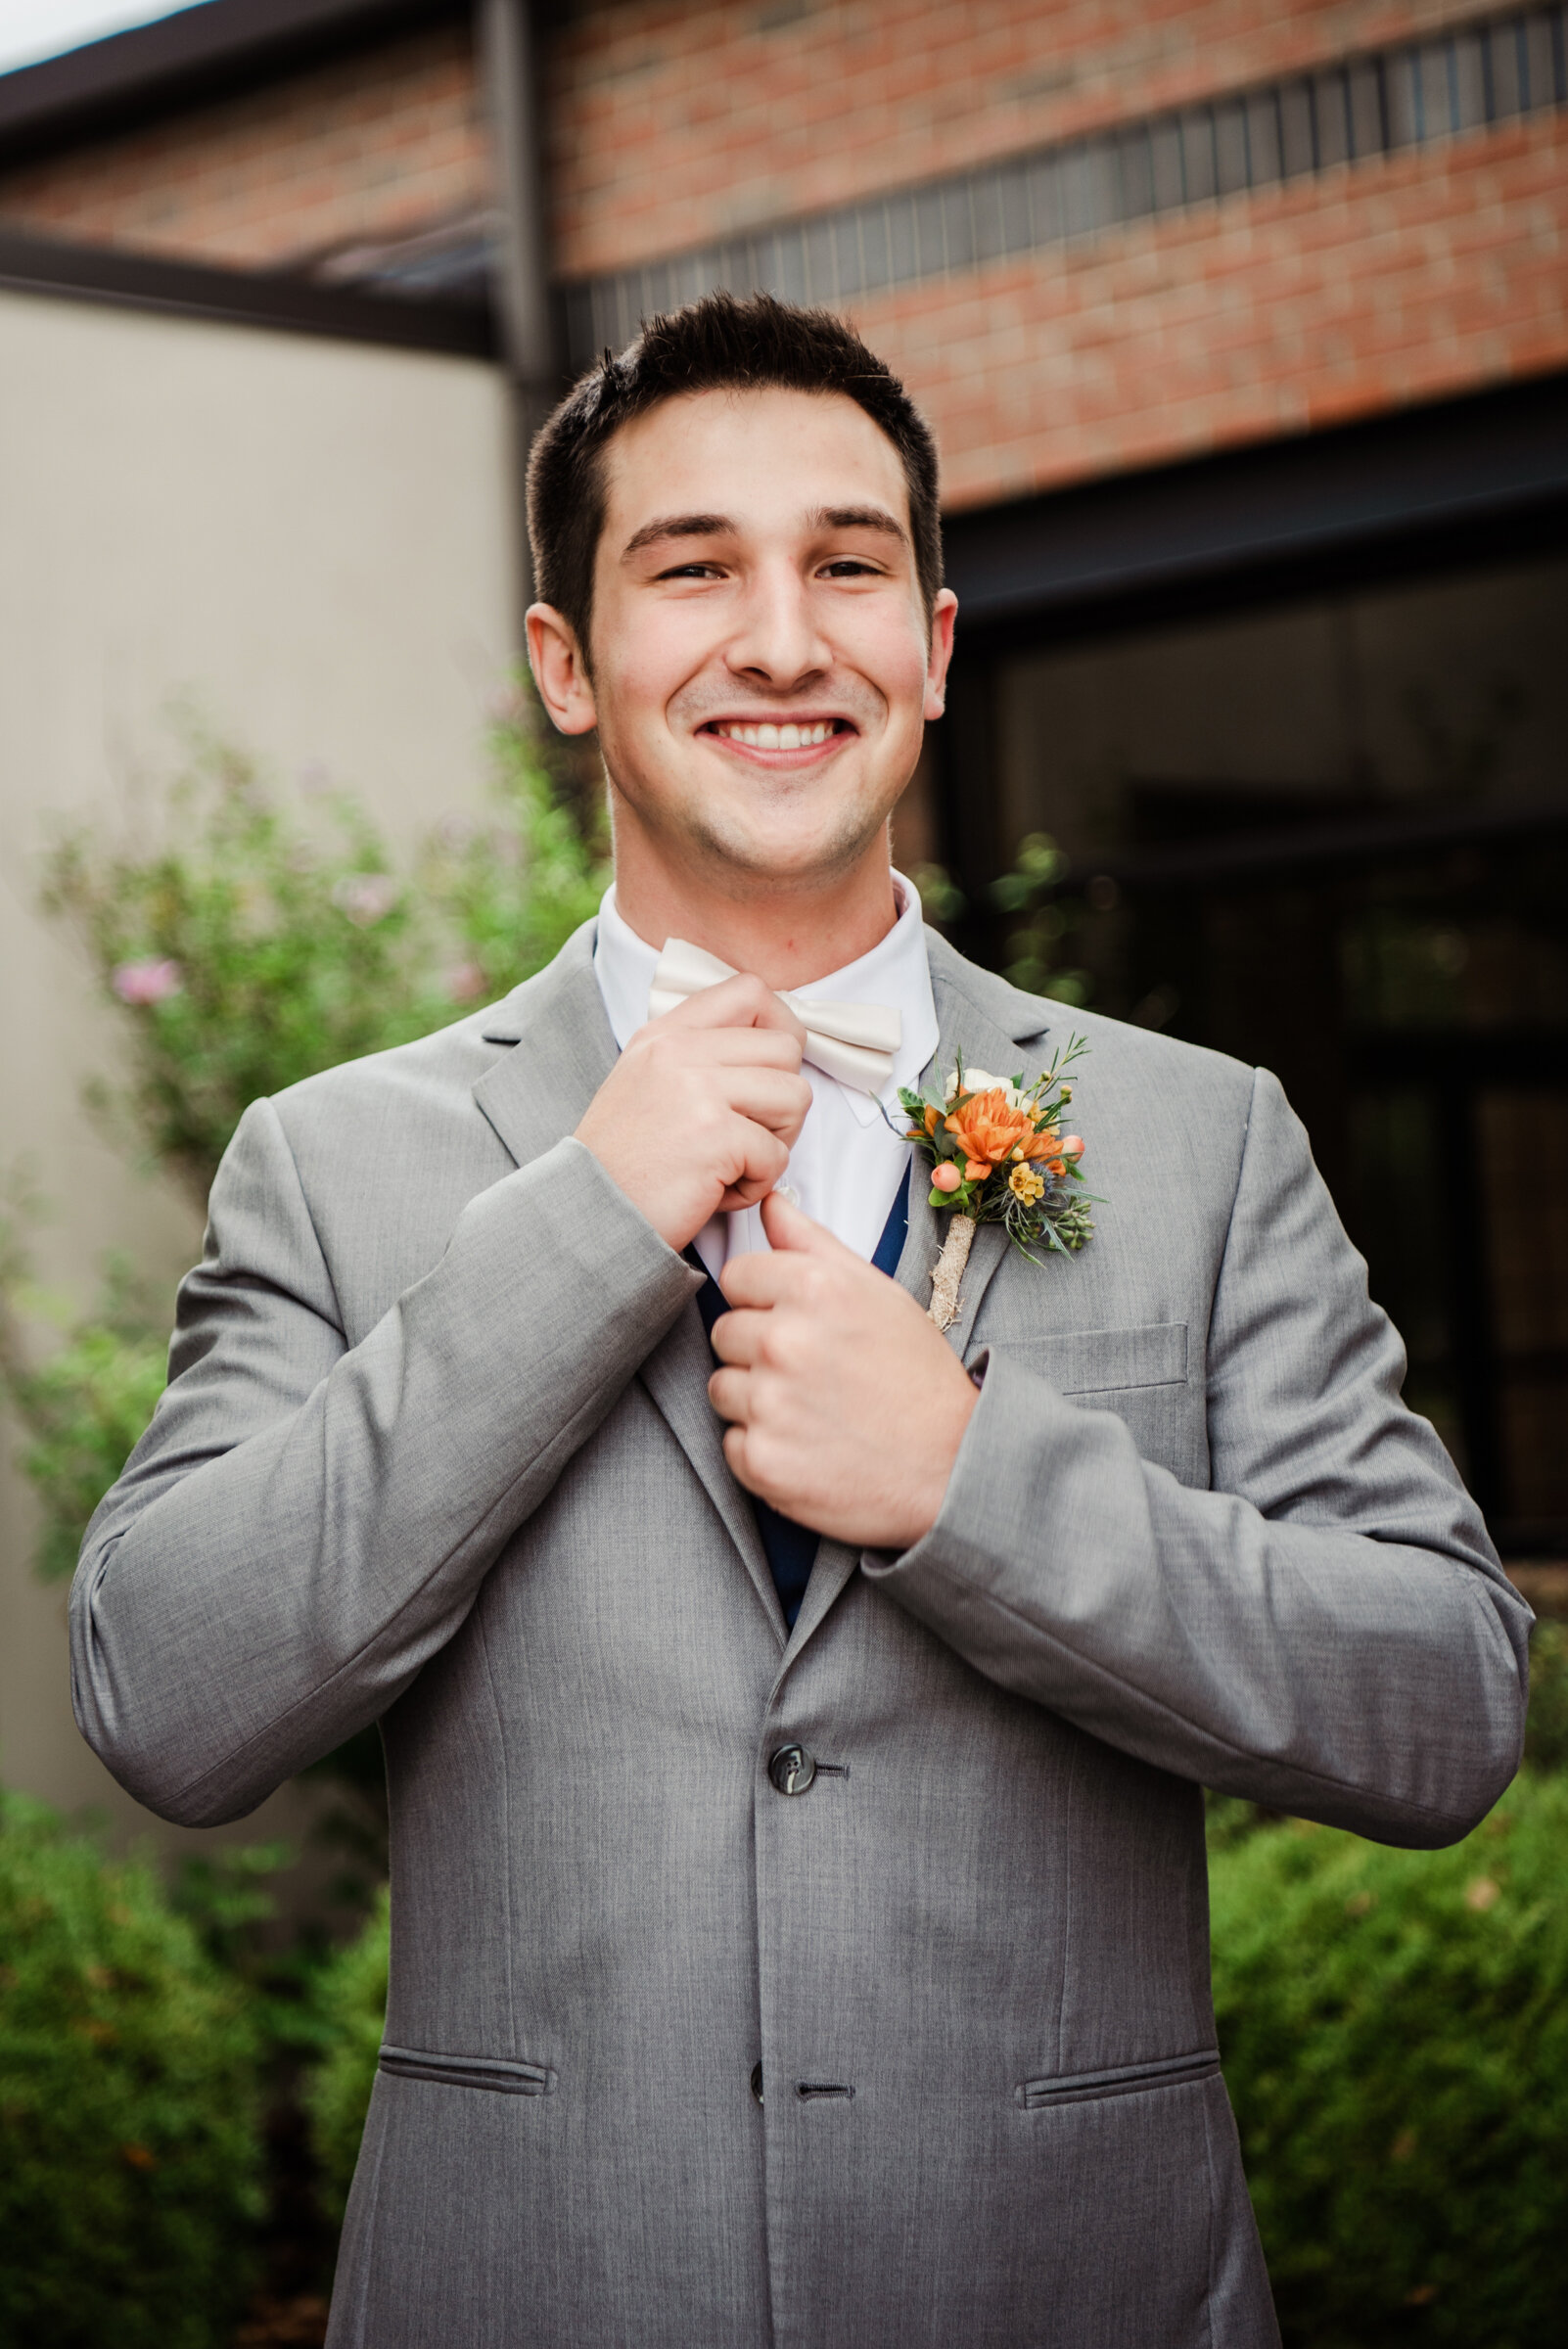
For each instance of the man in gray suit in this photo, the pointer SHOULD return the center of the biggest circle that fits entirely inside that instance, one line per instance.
(799, 1899)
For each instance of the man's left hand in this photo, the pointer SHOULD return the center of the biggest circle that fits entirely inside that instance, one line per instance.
(846, 1404)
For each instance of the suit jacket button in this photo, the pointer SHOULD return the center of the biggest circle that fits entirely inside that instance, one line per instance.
(792, 1770)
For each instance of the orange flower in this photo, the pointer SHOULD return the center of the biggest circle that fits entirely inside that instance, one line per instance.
(986, 1129)
(1048, 1143)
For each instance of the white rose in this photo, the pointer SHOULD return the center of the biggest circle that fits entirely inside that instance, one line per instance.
(980, 1080)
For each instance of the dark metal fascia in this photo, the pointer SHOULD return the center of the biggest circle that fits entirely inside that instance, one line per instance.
(40, 265)
(186, 59)
(1483, 458)
(1378, 838)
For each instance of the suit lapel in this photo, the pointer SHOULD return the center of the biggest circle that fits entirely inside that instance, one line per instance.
(562, 1052)
(989, 1022)
(676, 1374)
(994, 1027)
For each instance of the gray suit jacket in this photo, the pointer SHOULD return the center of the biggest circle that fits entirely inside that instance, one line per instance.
(437, 1453)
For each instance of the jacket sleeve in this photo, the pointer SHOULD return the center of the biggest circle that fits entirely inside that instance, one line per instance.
(305, 1523)
(1326, 1630)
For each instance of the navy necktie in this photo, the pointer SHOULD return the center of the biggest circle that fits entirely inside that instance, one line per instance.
(791, 1549)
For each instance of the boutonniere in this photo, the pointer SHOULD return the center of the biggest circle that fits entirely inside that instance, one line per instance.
(998, 1155)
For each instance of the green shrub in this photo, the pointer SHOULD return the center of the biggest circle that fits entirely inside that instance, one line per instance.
(1032, 886)
(254, 947)
(85, 1406)
(1546, 1734)
(129, 2150)
(351, 2009)
(1394, 2031)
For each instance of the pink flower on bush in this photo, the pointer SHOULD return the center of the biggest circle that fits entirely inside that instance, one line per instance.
(153, 979)
(366, 896)
(466, 984)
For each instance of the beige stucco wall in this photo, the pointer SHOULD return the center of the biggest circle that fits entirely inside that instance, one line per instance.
(310, 539)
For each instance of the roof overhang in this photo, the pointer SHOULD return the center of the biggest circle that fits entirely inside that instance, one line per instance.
(187, 58)
(1483, 476)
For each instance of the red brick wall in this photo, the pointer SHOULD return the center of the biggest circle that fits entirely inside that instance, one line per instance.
(673, 124)
(371, 146)
(1429, 274)
(675, 121)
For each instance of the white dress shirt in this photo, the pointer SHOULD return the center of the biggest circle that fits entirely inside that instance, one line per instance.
(847, 1162)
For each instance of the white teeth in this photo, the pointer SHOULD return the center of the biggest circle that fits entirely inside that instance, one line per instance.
(787, 737)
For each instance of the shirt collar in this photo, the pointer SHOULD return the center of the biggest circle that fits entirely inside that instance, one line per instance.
(895, 972)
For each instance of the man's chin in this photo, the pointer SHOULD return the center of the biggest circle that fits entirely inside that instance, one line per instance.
(799, 861)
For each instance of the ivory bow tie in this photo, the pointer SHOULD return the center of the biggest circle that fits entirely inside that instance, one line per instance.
(853, 1041)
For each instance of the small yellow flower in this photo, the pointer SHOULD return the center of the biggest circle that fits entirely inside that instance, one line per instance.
(1026, 1185)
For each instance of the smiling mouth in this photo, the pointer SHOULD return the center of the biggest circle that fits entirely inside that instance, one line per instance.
(790, 734)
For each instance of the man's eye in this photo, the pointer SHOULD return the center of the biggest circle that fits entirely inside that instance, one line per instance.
(850, 567)
(691, 570)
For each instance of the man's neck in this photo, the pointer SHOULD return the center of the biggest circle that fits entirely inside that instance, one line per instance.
(788, 936)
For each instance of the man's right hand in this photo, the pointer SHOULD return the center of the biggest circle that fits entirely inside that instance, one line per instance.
(699, 1113)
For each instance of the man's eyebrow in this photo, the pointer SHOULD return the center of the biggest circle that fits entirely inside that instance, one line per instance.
(679, 525)
(859, 517)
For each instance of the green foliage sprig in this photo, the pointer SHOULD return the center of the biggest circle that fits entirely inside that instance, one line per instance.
(251, 946)
(350, 2002)
(131, 2153)
(1033, 888)
(1395, 2031)
(86, 1405)
(255, 948)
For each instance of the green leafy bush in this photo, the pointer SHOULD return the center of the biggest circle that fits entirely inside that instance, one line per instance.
(85, 1407)
(1033, 888)
(254, 947)
(350, 2005)
(1395, 2031)
(1547, 1731)
(129, 2150)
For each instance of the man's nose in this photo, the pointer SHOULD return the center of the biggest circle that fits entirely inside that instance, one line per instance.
(779, 639)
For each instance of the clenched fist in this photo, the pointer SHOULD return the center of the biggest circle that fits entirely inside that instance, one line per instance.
(846, 1406)
(701, 1111)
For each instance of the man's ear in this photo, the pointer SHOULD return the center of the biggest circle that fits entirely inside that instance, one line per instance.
(944, 612)
(559, 671)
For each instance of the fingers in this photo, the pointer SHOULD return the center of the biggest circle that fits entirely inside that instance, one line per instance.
(716, 1047)
(735, 1455)
(752, 1159)
(737, 1337)
(788, 1268)
(730, 1393)
(770, 1098)
(788, 1230)
(739, 1002)
(762, 1279)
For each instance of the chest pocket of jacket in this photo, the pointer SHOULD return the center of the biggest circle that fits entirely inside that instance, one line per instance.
(1101, 1366)
(1139, 1373)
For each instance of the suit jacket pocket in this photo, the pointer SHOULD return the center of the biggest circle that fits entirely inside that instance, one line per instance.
(1104, 1361)
(495, 2072)
(1122, 2080)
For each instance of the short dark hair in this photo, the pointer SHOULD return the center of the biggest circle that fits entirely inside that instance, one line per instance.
(714, 344)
